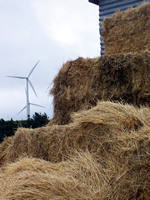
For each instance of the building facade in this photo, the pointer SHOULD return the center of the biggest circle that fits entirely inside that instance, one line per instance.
(109, 7)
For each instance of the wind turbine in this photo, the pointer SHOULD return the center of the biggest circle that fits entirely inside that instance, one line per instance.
(28, 82)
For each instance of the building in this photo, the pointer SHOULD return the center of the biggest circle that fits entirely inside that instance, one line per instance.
(109, 7)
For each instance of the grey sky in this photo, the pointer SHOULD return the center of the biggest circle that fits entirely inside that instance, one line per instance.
(50, 31)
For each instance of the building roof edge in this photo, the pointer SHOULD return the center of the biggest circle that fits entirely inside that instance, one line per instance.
(94, 1)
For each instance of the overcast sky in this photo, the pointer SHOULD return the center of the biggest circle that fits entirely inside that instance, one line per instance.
(46, 30)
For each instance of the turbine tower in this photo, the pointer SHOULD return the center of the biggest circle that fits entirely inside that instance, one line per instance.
(28, 82)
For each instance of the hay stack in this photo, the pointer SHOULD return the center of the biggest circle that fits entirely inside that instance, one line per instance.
(117, 138)
(98, 130)
(81, 83)
(35, 179)
(127, 31)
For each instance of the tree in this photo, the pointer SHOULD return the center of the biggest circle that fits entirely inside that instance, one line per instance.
(8, 128)
(39, 120)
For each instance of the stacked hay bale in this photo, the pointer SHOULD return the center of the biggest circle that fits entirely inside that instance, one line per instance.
(128, 31)
(121, 77)
(81, 83)
(113, 163)
(101, 152)
(92, 130)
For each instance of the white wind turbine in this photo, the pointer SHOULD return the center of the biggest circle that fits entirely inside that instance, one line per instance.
(28, 82)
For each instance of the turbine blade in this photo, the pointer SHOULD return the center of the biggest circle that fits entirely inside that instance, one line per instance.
(25, 91)
(20, 77)
(22, 110)
(37, 105)
(33, 69)
(32, 87)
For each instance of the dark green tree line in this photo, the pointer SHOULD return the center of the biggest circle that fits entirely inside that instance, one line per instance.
(8, 128)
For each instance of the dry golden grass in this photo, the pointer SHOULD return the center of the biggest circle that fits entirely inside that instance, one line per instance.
(81, 83)
(114, 163)
(92, 129)
(81, 177)
(96, 129)
(127, 31)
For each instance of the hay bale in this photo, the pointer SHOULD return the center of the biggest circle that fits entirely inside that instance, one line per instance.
(117, 140)
(127, 31)
(97, 130)
(132, 180)
(72, 88)
(35, 179)
(81, 83)
(6, 144)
